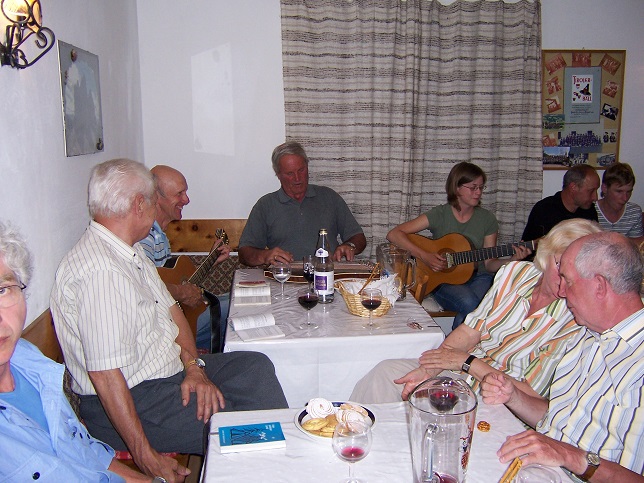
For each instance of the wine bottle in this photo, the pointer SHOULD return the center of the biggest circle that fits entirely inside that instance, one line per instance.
(323, 272)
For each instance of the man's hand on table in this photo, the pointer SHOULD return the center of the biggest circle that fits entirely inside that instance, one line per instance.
(345, 251)
(155, 464)
(533, 447)
(277, 255)
(209, 397)
(412, 379)
(443, 358)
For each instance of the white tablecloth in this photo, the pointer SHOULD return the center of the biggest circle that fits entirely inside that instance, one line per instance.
(328, 362)
(389, 461)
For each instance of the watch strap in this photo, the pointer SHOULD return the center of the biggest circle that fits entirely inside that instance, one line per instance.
(592, 466)
(468, 362)
(195, 362)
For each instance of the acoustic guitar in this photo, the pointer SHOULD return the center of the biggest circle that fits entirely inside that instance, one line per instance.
(181, 269)
(461, 257)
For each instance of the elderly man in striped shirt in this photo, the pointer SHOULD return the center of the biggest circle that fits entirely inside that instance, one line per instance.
(593, 424)
(128, 346)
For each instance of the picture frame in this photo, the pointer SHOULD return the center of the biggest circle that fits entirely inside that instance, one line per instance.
(80, 89)
(582, 92)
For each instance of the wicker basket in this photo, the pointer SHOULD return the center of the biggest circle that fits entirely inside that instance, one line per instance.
(355, 307)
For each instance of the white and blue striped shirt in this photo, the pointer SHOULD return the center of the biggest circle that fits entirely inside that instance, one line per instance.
(597, 394)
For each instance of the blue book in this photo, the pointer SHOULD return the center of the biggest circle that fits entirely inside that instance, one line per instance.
(251, 437)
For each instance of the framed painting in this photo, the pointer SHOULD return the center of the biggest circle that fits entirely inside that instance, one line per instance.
(81, 97)
(582, 92)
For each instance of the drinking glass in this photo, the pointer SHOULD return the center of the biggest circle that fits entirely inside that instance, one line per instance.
(281, 273)
(371, 298)
(351, 443)
(308, 266)
(537, 473)
(308, 299)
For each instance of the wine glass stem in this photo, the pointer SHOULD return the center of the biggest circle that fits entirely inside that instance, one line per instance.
(351, 472)
(282, 283)
(370, 321)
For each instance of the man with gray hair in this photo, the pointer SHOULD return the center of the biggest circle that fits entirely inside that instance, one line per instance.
(284, 225)
(128, 345)
(592, 426)
(575, 200)
(40, 436)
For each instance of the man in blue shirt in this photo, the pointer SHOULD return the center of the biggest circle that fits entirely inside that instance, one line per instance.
(172, 196)
(40, 436)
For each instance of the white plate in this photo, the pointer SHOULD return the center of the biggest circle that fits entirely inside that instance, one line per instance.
(304, 416)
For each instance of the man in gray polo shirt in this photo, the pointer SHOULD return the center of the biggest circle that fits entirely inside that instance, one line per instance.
(284, 225)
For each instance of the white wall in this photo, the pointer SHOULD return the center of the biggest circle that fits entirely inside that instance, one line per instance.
(43, 192)
(604, 24)
(222, 61)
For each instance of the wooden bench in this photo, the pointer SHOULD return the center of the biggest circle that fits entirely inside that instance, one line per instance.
(42, 333)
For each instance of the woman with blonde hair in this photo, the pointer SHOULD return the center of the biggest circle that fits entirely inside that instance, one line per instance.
(520, 329)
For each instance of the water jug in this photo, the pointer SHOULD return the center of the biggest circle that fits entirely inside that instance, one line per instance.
(443, 412)
(396, 261)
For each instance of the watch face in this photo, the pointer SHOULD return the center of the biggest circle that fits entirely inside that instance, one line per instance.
(200, 362)
(593, 459)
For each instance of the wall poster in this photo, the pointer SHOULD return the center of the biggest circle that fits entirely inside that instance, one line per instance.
(582, 93)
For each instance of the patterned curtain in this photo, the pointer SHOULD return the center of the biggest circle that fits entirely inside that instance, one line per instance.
(387, 95)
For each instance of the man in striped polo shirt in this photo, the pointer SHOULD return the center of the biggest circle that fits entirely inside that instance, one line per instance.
(592, 426)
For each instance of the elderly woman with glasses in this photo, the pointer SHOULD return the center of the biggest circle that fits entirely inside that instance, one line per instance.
(461, 214)
(520, 329)
(40, 436)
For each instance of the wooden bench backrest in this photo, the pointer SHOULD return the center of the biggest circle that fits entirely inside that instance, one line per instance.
(42, 334)
(199, 235)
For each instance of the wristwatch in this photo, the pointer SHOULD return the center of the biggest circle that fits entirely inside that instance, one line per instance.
(351, 245)
(468, 362)
(159, 479)
(196, 362)
(593, 463)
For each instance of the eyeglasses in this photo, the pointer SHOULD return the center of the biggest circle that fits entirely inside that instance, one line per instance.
(10, 295)
(474, 188)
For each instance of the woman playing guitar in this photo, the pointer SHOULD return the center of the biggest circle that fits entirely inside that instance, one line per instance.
(463, 215)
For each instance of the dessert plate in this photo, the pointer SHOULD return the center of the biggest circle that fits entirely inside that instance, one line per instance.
(302, 416)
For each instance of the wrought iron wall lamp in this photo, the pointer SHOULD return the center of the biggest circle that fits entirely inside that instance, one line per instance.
(25, 20)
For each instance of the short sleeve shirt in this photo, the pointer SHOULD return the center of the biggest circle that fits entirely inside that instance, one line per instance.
(277, 220)
(111, 310)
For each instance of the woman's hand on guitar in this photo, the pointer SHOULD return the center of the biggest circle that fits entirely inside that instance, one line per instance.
(520, 252)
(435, 261)
(443, 359)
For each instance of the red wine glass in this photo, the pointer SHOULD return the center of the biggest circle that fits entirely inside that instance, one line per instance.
(351, 443)
(371, 299)
(308, 299)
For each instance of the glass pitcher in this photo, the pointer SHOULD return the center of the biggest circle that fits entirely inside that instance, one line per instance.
(443, 412)
(399, 262)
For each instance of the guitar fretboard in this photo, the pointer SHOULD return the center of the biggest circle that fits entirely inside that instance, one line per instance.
(204, 269)
(458, 258)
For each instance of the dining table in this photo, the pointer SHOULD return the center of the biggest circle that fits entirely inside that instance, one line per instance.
(330, 360)
(309, 459)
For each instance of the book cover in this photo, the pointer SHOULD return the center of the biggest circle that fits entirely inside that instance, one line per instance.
(251, 437)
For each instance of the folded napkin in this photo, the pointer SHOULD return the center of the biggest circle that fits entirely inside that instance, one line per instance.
(388, 286)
